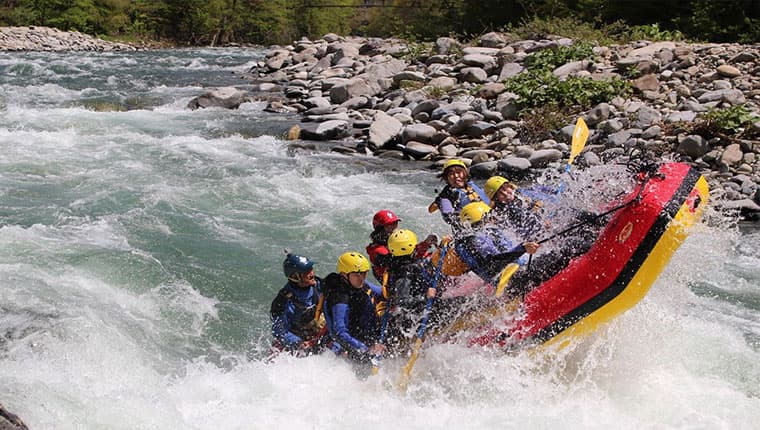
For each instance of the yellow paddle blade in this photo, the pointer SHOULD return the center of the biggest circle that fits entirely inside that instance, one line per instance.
(406, 372)
(506, 275)
(580, 136)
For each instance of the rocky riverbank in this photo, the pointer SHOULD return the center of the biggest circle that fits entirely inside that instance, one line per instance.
(382, 98)
(51, 39)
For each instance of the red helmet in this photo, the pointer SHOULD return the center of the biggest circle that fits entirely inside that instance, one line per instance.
(384, 217)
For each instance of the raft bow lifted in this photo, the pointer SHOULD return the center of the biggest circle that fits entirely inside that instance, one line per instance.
(614, 274)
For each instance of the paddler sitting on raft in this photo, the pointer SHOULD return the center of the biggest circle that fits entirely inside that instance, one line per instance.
(458, 192)
(297, 324)
(512, 210)
(384, 223)
(409, 284)
(350, 311)
(483, 248)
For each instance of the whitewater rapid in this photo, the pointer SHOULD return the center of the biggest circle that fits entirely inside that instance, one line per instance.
(141, 244)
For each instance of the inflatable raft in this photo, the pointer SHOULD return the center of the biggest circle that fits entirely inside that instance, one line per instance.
(645, 229)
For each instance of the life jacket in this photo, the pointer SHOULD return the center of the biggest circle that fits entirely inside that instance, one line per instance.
(378, 255)
(459, 197)
(310, 322)
(360, 302)
(452, 264)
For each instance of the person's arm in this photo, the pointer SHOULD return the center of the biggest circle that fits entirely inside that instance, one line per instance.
(340, 327)
(281, 324)
(513, 254)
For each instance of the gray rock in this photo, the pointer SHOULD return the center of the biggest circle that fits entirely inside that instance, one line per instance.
(383, 130)
(647, 116)
(599, 113)
(542, 157)
(514, 164)
(328, 130)
(730, 96)
(493, 40)
(618, 139)
(509, 70)
(418, 132)
(732, 155)
(480, 129)
(226, 97)
(572, 68)
(685, 116)
(484, 169)
(473, 74)
(418, 149)
(694, 146)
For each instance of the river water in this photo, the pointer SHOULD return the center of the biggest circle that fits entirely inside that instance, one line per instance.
(141, 244)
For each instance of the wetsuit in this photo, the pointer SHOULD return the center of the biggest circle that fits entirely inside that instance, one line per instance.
(450, 202)
(293, 314)
(408, 281)
(350, 314)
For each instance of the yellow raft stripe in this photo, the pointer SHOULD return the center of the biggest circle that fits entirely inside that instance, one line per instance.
(671, 239)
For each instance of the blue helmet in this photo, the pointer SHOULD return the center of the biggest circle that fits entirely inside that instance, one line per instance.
(295, 264)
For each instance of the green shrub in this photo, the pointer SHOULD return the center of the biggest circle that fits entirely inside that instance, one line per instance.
(729, 120)
(544, 89)
(550, 59)
(571, 27)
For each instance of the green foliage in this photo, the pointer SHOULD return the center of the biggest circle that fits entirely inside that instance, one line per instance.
(653, 32)
(542, 88)
(571, 27)
(729, 120)
(282, 21)
(550, 59)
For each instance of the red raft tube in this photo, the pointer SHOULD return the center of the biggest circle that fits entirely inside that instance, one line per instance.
(613, 275)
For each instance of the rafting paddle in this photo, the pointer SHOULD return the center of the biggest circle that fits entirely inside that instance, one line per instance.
(580, 137)
(506, 275)
(406, 371)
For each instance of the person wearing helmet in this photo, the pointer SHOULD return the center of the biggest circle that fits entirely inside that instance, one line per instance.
(349, 310)
(487, 249)
(458, 192)
(512, 210)
(410, 283)
(384, 223)
(297, 324)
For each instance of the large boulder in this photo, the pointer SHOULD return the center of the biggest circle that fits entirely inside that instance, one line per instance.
(328, 130)
(226, 97)
(384, 129)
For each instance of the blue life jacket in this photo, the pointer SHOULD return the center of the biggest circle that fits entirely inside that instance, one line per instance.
(293, 313)
(450, 201)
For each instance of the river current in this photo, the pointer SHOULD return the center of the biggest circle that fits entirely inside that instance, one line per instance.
(141, 244)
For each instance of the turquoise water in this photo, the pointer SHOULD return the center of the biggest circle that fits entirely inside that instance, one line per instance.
(141, 244)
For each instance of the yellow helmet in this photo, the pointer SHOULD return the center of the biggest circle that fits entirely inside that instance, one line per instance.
(493, 184)
(473, 212)
(452, 163)
(402, 242)
(350, 262)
